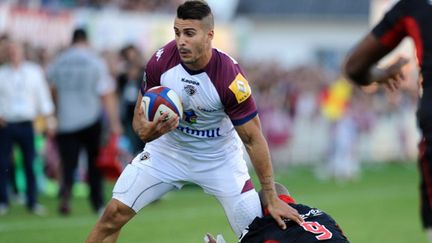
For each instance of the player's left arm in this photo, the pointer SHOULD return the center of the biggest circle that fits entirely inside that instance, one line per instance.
(257, 148)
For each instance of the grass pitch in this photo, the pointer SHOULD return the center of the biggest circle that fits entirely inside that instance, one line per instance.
(382, 206)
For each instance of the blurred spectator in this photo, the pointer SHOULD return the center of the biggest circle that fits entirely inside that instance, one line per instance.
(129, 82)
(82, 87)
(3, 45)
(24, 94)
(4, 40)
(130, 5)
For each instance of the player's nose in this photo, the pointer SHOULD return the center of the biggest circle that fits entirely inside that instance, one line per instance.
(181, 41)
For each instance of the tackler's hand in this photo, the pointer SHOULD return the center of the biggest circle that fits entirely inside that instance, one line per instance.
(279, 210)
(393, 75)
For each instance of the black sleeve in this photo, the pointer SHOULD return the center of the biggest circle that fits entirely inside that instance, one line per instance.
(318, 227)
(393, 27)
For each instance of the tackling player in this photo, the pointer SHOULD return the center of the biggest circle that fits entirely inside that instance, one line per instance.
(205, 147)
(317, 227)
(406, 18)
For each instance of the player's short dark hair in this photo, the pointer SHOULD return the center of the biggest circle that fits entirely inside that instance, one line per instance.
(193, 9)
(79, 35)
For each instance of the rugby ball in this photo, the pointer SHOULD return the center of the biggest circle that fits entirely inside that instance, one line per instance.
(161, 99)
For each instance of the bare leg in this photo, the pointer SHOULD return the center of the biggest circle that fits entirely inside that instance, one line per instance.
(107, 229)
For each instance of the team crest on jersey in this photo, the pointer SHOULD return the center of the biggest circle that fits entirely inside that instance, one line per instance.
(240, 87)
(190, 89)
(145, 156)
(190, 116)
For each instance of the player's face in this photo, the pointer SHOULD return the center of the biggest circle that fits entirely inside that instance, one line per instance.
(193, 42)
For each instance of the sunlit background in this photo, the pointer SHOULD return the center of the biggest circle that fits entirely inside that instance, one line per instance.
(292, 51)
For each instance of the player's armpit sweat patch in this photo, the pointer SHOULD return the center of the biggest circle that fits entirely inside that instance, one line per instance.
(240, 87)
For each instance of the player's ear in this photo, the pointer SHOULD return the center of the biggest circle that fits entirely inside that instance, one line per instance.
(210, 34)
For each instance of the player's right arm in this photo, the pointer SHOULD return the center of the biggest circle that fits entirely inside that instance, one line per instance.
(151, 130)
(361, 65)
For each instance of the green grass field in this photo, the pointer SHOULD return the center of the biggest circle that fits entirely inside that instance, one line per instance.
(380, 207)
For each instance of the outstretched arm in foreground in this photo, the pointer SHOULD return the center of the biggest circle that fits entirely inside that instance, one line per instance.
(361, 65)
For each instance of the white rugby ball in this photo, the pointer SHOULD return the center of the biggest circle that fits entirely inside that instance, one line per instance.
(161, 99)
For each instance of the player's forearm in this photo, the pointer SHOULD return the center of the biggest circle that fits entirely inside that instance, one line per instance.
(142, 128)
(368, 76)
(259, 154)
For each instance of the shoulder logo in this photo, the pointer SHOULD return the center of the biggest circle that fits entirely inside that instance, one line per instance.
(240, 87)
(159, 54)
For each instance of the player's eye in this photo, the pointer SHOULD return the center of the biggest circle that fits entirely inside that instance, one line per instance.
(189, 33)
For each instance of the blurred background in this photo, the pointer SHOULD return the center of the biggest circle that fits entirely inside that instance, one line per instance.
(292, 52)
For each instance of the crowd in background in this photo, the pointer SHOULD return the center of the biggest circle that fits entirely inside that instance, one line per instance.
(310, 114)
(287, 98)
(129, 5)
(284, 95)
(313, 115)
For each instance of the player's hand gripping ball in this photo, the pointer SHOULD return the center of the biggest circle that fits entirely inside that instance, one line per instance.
(161, 99)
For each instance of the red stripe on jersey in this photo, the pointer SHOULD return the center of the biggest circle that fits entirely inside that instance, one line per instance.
(425, 169)
(392, 38)
(287, 199)
(405, 26)
(414, 31)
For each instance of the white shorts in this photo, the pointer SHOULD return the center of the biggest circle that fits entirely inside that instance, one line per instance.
(225, 176)
(151, 175)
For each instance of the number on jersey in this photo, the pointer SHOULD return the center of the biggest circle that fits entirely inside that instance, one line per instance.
(316, 228)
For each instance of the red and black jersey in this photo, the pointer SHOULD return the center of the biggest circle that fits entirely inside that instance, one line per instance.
(412, 18)
(409, 18)
(317, 227)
